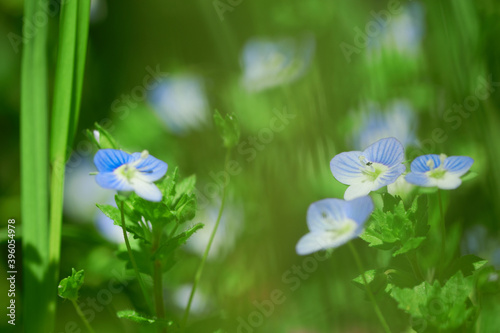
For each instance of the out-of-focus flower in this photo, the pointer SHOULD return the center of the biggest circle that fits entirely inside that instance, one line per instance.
(181, 298)
(334, 222)
(181, 103)
(130, 172)
(400, 187)
(365, 171)
(398, 121)
(230, 227)
(269, 63)
(439, 170)
(403, 32)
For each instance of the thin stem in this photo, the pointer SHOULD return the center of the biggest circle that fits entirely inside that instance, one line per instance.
(414, 265)
(132, 259)
(157, 280)
(443, 228)
(82, 317)
(368, 290)
(207, 250)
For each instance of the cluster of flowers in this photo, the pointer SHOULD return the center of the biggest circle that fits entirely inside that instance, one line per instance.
(333, 222)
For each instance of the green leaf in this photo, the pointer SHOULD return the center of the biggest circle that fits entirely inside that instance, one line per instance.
(228, 129)
(144, 320)
(106, 140)
(69, 287)
(167, 248)
(466, 264)
(469, 176)
(132, 225)
(444, 308)
(395, 228)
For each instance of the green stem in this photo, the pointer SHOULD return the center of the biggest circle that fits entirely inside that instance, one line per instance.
(443, 228)
(132, 259)
(82, 317)
(207, 250)
(412, 259)
(368, 290)
(157, 280)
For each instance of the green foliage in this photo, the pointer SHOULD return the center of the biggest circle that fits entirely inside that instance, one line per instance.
(144, 320)
(228, 129)
(69, 287)
(443, 307)
(131, 223)
(170, 245)
(106, 140)
(395, 228)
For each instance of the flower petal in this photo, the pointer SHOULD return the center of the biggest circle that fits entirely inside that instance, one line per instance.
(346, 167)
(358, 190)
(112, 181)
(316, 241)
(387, 151)
(146, 190)
(151, 168)
(106, 160)
(420, 163)
(458, 165)
(390, 176)
(450, 181)
(359, 209)
(420, 179)
(325, 214)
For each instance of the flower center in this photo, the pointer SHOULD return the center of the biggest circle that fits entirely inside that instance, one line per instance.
(347, 227)
(438, 172)
(128, 170)
(372, 170)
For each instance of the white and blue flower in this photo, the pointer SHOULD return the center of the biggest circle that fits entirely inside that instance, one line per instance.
(334, 222)
(439, 171)
(130, 172)
(398, 121)
(268, 63)
(369, 170)
(181, 103)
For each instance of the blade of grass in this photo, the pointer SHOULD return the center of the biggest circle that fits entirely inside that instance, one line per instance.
(73, 32)
(34, 170)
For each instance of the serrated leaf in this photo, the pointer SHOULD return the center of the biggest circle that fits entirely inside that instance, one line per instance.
(132, 226)
(186, 208)
(185, 186)
(69, 287)
(168, 247)
(444, 308)
(409, 245)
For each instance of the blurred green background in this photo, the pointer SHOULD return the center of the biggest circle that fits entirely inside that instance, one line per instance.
(260, 59)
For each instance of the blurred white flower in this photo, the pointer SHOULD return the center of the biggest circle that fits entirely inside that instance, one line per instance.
(181, 298)
(229, 229)
(107, 228)
(181, 103)
(98, 10)
(398, 121)
(400, 187)
(269, 63)
(403, 33)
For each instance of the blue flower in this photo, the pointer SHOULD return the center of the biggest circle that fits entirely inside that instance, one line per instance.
(375, 167)
(398, 121)
(439, 170)
(334, 222)
(130, 172)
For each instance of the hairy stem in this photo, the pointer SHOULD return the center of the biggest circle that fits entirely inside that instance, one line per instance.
(368, 290)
